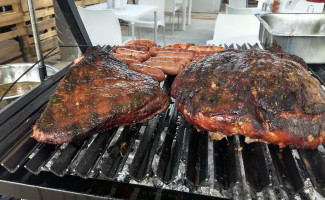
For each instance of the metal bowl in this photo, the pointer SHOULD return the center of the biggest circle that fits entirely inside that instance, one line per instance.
(10, 72)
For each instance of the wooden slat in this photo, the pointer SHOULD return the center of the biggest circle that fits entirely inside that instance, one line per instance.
(41, 25)
(40, 13)
(9, 2)
(78, 3)
(10, 57)
(12, 34)
(10, 18)
(89, 2)
(44, 36)
(9, 46)
(37, 4)
(19, 60)
(46, 45)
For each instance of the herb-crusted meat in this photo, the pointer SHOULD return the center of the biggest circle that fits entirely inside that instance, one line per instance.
(96, 94)
(254, 93)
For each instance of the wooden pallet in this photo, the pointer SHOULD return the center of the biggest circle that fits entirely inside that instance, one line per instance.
(11, 26)
(18, 20)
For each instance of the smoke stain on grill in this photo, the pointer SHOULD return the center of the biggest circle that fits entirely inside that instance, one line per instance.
(255, 165)
(196, 170)
(115, 161)
(225, 163)
(140, 165)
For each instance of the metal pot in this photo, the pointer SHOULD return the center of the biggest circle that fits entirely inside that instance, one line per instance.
(10, 72)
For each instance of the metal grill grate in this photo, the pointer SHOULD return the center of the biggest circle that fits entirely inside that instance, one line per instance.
(170, 154)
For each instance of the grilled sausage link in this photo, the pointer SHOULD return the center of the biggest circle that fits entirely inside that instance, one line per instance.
(204, 53)
(187, 55)
(206, 48)
(154, 50)
(198, 57)
(147, 43)
(179, 45)
(145, 69)
(183, 61)
(142, 54)
(169, 68)
(130, 61)
(127, 56)
(133, 47)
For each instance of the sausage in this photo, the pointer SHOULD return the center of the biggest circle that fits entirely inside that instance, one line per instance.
(189, 55)
(198, 57)
(130, 61)
(128, 56)
(169, 68)
(133, 47)
(183, 61)
(154, 50)
(206, 48)
(204, 53)
(145, 69)
(179, 45)
(147, 43)
(142, 54)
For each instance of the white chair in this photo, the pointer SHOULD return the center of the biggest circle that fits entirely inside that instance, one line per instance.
(172, 7)
(148, 20)
(238, 3)
(102, 26)
(238, 11)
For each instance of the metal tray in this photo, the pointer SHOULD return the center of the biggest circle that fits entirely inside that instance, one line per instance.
(299, 34)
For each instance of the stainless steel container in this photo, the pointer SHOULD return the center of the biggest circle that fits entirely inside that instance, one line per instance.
(10, 72)
(299, 34)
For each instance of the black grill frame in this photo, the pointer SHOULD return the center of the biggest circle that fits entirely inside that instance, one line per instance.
(232, 174)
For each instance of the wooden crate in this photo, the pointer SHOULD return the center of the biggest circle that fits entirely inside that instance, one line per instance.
(19, 21)
(11, 26)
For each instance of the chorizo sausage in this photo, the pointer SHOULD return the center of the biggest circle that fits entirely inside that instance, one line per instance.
(198, 57)
(128, 56)
(183, 61)
(130, 61)
(142, 42)
(144, 69)
(142, 54)
(206, 48)
(169, 68)
(187, 55)
(133, 47)
(179, 45)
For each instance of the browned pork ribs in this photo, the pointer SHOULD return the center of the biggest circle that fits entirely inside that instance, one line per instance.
(254, 93)
(96, 94)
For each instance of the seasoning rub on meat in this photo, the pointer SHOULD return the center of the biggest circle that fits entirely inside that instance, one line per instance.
(98, 93)
(261, 95)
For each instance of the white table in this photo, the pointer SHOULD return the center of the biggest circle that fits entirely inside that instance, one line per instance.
(238, 29)
(131, 13)
(186, 8)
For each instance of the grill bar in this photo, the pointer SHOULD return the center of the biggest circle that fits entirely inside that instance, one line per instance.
(167, 154)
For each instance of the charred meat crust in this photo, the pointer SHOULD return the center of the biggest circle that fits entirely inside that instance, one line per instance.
(253, 93)
(98, 93)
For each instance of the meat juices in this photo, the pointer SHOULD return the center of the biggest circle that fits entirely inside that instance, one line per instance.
(254, 93)
(98, 93)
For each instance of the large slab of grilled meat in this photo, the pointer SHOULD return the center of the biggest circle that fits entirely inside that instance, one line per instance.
(96, 94)
(261, 95)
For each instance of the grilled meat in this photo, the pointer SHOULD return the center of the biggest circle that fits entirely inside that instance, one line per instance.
(96, 94)
(254, 93)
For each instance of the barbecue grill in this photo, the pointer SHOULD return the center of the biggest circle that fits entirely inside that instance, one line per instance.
(165, 158)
